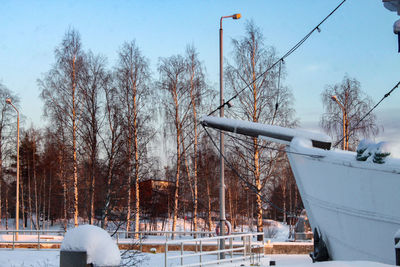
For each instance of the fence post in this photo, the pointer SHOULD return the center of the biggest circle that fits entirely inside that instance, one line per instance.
(244, 247)
(182, 253)
(201, 250)
(38, 239)
(250, 241)
(231, 246)
(218, 254)
(140, 242)
(13, 246)
(165, 252)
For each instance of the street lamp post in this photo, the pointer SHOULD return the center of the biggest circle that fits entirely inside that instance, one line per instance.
(345, 137)
(222, 147)
(8, 101)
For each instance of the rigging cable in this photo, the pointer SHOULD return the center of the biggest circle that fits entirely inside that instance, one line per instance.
(253, 187)
(249, 185)
(273, 148)
(369, 112)
(293, 49)
(277, 94)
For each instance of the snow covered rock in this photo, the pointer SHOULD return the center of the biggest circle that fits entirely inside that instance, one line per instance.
(101, 250)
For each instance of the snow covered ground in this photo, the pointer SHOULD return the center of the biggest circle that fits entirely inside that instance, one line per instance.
(51, 258)
(274, 231)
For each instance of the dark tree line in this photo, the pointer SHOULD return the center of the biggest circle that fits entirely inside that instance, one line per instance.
(102, 142)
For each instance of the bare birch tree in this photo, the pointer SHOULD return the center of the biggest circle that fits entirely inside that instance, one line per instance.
(111, 140)
(7, 124)
(339, 119)
(59, 91)
(265, 101)
(94, 78)
(133, 76)
(196, 84)
(177, 106)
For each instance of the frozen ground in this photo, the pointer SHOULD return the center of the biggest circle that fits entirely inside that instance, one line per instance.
(274, 231)
(50, 258)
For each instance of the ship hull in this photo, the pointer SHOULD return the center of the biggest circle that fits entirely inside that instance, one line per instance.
(354, 205)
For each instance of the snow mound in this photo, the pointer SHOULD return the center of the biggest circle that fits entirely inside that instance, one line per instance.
(345, 264)
(276, 231)
(100, 248)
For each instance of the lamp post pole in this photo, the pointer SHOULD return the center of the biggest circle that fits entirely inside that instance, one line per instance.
(222, 146)
(8, 101)
(345, 141)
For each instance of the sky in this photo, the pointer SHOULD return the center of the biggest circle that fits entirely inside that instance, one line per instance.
(357, 40)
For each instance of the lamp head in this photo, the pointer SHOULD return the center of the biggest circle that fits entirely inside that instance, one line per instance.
(8, 101)
(236, 16)
(334, 98)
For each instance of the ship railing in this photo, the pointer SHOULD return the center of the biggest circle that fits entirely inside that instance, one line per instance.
(238, 247)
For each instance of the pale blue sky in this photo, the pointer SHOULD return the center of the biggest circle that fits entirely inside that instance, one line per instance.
(358, 39)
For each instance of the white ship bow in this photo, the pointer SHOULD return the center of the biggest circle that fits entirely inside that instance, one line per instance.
(355, 205)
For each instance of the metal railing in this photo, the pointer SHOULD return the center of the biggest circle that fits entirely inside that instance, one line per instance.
(245, 249)
(39, 237)
(47, 237)
(168, 234)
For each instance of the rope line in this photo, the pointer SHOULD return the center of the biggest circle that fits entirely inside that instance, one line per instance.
(273, 148)
(249, 185)
(282, 59)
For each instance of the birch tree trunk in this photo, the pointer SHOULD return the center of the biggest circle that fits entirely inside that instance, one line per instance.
(136, 151)
(6, 207)
(196, 84)
(29, 195)
(209, 222)
(260, 104)
(178, 166)
(133, 78)
(177, 105)
(35, 184)
(111, 144)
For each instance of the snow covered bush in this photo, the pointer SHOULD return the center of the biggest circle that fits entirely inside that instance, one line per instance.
(382, 151)
(369, 151)
(270, 229)
(363, 151)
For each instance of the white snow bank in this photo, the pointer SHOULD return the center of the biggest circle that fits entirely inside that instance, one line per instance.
(301, 141)
(345, 264)
(100, 248)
